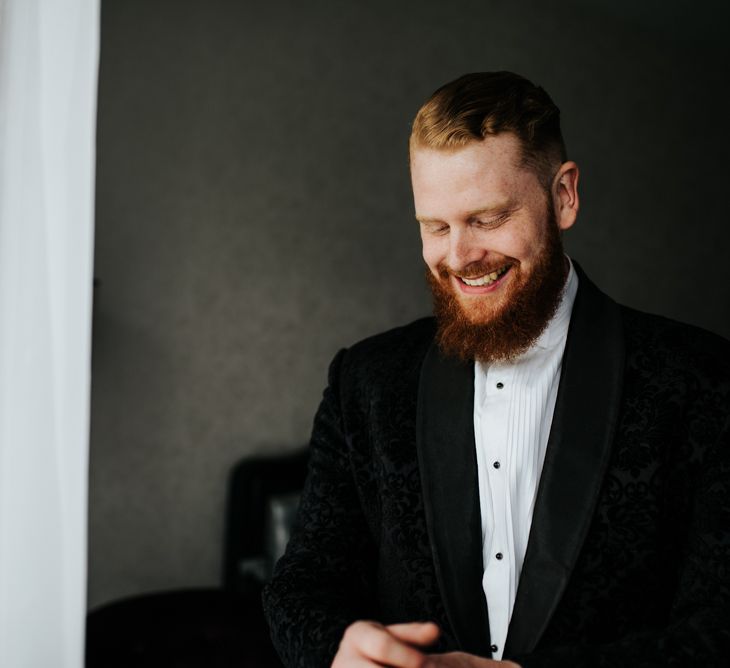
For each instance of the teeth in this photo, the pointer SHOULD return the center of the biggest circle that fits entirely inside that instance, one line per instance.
(477, 282)
(487, 279)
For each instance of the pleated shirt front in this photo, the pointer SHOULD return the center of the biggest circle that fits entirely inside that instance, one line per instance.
(513, 411)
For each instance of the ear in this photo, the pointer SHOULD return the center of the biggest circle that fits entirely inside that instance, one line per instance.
(565, 195)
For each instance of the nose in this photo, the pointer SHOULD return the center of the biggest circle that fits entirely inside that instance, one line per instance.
(463, 249)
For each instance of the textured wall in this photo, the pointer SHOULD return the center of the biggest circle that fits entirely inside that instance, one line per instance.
(254, 215)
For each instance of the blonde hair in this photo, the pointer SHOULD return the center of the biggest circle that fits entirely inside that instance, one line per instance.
(476, 106)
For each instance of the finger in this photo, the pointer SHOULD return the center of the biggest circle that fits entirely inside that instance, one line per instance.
(461, 660)
(354, 662)
(375, 642)
(452, 660)
(418, 633)
(345, 661)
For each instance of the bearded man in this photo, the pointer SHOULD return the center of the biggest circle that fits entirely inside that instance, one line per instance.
(536, 477)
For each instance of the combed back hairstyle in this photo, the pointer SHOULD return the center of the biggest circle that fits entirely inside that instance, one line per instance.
(476, 106)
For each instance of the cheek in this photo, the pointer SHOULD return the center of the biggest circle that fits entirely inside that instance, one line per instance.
(519, 245)
(433, 253)
(532, 247)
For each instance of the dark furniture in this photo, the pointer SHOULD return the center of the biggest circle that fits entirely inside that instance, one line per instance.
(214, 627)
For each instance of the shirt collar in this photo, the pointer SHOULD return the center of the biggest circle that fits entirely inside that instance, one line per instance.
(555, 332)
(557, 329)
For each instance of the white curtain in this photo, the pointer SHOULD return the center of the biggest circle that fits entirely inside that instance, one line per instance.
(48, 72)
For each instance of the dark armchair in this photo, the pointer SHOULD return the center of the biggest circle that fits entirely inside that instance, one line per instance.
(216, 627)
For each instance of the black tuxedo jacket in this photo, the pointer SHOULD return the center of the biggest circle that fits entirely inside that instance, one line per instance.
(628, 561)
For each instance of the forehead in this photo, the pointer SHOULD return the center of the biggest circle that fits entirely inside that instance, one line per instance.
(478, 175)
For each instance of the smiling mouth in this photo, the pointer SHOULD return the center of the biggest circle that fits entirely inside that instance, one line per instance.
(486, 279)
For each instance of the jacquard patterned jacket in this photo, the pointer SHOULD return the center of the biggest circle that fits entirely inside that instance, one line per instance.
(628, 561)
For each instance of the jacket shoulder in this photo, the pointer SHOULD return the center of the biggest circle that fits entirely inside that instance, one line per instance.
(676, 345)
(395, 340)
(393, 354)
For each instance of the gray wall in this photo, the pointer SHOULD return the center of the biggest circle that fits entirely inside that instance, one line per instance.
(254, 215)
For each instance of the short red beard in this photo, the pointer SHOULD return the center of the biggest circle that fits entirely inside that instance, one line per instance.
(510, 328)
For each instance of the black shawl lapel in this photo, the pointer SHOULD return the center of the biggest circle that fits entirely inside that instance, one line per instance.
(448, 467)
(578, 450)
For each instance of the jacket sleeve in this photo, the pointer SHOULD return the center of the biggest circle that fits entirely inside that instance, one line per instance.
(697, 632)
(322, 583)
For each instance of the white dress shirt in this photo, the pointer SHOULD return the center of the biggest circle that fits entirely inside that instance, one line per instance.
(513, 411)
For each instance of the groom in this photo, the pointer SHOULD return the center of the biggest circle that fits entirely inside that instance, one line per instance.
(535, 477)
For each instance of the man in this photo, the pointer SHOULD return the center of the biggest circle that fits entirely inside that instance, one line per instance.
(539, 477)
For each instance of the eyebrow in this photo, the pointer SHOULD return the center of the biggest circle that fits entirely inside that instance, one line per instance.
(495, 208)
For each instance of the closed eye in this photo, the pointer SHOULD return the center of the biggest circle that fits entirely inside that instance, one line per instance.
(434, 227)
(491, 223)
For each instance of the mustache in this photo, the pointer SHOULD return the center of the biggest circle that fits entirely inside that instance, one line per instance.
(474, 269)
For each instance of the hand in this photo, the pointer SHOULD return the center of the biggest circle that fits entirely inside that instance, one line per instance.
(369, 644)
(463, 660)
(372, 644)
